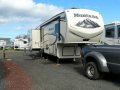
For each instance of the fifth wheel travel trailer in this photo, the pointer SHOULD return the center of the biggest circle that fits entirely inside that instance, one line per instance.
(2, 43)
(111, 34)
(64, 34)
(34, 41)
(20, 44)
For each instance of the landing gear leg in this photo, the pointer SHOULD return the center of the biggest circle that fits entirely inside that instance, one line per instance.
(47, 58)
(58, 62)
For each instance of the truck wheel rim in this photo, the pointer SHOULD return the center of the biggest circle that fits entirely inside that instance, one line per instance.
(90, 70)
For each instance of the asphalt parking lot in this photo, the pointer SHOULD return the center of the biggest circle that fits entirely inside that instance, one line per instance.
(45, 75)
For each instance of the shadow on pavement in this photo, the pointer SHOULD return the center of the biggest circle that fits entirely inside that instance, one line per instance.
(64, 61)
(34, 56)
(114, 78)
(47, 63)
(110, 77)
(80, 69)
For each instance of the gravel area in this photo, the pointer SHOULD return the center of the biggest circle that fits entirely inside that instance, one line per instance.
(45, 75)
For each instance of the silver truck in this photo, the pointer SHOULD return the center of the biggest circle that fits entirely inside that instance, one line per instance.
(100, 59)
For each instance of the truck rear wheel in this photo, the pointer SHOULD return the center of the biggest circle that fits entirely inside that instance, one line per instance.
(92, 71)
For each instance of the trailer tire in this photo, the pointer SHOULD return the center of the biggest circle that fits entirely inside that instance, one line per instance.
(92, 71)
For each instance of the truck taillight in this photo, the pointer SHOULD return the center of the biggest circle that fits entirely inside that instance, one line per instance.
(81, 53)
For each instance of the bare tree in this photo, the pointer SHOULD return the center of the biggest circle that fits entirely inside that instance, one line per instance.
(25, 36)
(17, 37)
(21, 36)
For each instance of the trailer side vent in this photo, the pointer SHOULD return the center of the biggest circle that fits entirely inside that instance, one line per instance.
(85, 39)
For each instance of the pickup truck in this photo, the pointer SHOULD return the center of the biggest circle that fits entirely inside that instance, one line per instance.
(98, 60)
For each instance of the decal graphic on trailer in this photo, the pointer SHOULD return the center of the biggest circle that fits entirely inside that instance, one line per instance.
(56, 33)
(87, 23)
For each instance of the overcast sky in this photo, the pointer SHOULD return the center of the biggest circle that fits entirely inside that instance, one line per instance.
(19, 16)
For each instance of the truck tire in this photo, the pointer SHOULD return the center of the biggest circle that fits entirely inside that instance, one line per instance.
(92, 71)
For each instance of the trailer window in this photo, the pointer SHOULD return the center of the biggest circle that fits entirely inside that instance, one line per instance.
(24, 42)
(118, 31)
(110, 32)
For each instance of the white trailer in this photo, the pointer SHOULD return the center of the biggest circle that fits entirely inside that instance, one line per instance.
(20, 44)
(2, 44)
(63, 34)
(111, 34)
(34, 39)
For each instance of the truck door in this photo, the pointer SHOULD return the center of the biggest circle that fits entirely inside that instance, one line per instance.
(117, 40)
(109, 35)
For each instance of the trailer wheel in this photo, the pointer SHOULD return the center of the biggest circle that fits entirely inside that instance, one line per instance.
(92, 71)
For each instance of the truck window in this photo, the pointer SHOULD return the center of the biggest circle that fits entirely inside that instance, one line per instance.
(110, 32)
